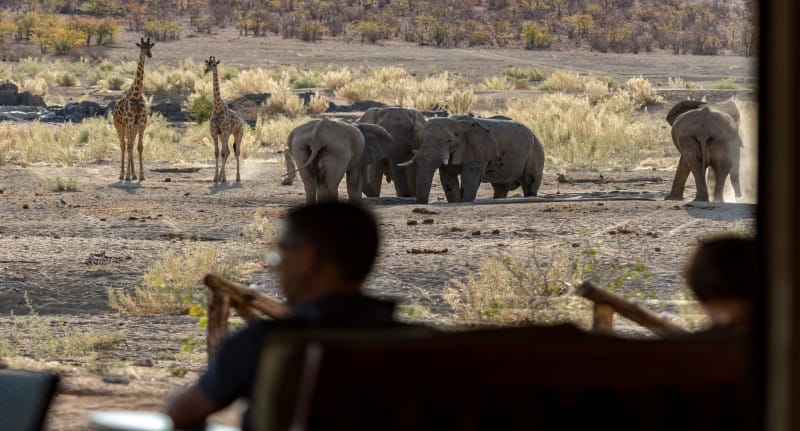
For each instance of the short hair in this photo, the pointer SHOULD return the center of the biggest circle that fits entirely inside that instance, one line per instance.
(345, 234)
(723, 268)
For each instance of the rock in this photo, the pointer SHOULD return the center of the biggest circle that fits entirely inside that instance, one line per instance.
(411, 222)
(116, 379)
(144, 362)
(171, 110)
(77, 112)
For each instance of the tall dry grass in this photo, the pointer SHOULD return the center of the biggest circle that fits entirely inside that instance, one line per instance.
(579, 135)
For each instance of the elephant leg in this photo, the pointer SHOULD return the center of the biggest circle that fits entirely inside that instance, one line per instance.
(402, 183)
(288, 161)
(737, 188)
(354, 181)
(332, 173)
(722, 169)
(500, 191)
(449, 179)
(699, 173)
(372, 178)
(679, 183)
(471, 174)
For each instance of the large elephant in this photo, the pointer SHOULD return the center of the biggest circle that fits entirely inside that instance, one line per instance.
(403, 124)
(327, 150)
(501, 152)
(706, 137)
(683, 169)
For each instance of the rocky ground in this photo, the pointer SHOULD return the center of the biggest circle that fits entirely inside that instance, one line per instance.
(61, 251)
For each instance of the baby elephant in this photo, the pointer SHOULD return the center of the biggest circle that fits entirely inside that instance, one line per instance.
(327, 150)
(706, 137)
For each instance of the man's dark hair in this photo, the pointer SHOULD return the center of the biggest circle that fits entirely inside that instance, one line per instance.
(345, 234)
(723, 268)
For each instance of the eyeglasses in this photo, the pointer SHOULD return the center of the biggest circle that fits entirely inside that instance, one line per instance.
(274, 257)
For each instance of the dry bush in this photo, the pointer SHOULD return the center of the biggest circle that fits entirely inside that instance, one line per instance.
(562, 80)
(359, 90)
(498, 82)
(317, 105)
(642, 93)
(62, 185)
(164, 80)
(336, 79)
(173, 284)
(38, 86)
(285, 103)
(512, 291)
(271, 132)
(678, 82)
(36, 333)
(461, 101)
(253, 81)
(160, 141)
(577, 135)
(596, 90)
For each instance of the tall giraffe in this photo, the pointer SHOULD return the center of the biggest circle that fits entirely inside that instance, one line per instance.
(130, 117)
(223, 123)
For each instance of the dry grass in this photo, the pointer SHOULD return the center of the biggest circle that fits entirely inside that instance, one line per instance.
(62, 185)
(461, 101)
(285, 103)
(43, 343)
(271, 133)
(173, 285)
(563, 80)
(578, 135)
(642, 93)
(511, 291)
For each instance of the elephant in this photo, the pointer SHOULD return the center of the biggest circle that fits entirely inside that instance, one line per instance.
(683, 169)
(706, 137)
(326, 150)
(501, 152)
(403, 124)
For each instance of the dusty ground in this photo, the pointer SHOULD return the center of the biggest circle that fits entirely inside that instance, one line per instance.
(64, 250)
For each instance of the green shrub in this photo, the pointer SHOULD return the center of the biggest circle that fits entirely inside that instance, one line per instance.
(528, 74)
(535, 37)
(200, 108)
(724, 84)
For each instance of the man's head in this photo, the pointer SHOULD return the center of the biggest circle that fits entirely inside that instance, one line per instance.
(326, 248)
(722, 274)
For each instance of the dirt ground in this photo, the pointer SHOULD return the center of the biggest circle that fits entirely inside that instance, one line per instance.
(64, 250)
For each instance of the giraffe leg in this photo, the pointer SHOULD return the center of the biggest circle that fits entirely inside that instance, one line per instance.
(130, 135)
(215, 138)
(237, 149)
(225, 152)
(121, 136)
(140, 147)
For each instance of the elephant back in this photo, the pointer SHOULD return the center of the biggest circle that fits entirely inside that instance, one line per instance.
(681, 107)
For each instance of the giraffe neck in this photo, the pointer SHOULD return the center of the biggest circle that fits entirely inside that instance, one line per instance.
(136, 88)
(218, 105)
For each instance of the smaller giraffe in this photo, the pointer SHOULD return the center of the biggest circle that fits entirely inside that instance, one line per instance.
(130, 116)
(223, 123)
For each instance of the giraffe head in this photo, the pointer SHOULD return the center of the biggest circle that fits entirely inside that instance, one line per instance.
(211, 64)
(145, 46)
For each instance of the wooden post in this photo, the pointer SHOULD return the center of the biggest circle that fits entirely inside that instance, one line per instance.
(627, 309)
(603, 318)
(218, 310)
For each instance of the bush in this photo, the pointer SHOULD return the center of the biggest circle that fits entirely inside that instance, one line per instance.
(562, 80)
(535, 37)
(67, 79)
(642, 92)
(200, 107)
(724, 84)
(461, 102)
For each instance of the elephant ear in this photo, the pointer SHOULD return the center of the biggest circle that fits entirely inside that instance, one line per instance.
(369, 116)
(375, 138)
(418, 120)
(477, 144)
(681, 107)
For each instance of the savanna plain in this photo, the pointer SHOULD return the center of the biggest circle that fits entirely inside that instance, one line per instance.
(100, 278)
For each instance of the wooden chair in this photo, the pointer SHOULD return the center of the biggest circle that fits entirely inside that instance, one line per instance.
(532, 378)
(25, 397)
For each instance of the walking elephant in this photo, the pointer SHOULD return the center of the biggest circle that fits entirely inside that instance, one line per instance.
(706, 137)
(327, 150)
(403, 124)
(501, 152)
(683, 169)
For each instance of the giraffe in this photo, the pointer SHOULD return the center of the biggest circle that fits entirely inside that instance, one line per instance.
(130, 117)
(223, 123)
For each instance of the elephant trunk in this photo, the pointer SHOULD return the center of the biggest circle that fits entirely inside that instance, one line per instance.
(424, 180)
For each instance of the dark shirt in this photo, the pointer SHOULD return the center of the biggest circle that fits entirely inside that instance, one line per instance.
(233, 371)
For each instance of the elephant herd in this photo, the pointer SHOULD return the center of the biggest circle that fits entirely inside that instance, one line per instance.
(407, 149)
(401, 145)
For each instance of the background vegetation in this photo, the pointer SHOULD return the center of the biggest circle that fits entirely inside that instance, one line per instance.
(705, 27)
